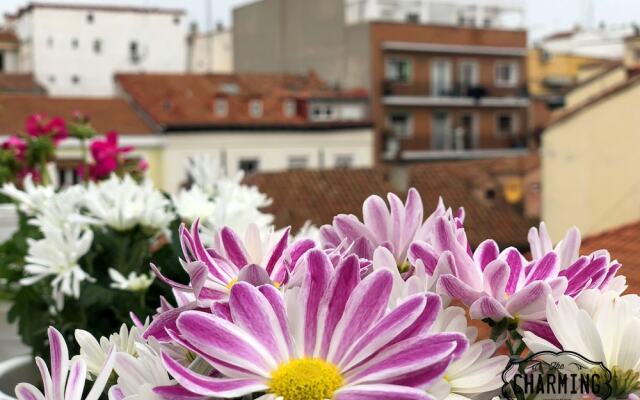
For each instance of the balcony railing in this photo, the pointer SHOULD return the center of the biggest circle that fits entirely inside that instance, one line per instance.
(393, 88)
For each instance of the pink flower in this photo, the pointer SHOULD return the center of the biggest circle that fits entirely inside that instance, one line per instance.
(107, 155)
(17, 145)
(37, 125)
(143, 165)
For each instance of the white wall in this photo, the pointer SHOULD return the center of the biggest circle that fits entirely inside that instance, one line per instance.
(211, 52)
(161, 39)
(272, 149)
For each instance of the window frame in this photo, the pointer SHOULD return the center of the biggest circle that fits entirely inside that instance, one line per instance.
(251, 105)
(292, 159)
(217, 102)
(395, 59)
(289, 108)
(410, 124)
(515, 69)
(515, 124)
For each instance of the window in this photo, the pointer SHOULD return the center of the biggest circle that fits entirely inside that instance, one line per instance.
(321, 112)
(249, 165)
(50, 42)
(468, 75)
(75, 79)
(90, 18)
(255, 108)
(221, 107)
(74, 43)
(506, 73)
(52, 79)
(398, 70)
(441, 78)
(344, 161)
(400, 124)
(506, 124)
(176, 20)
(298, 162)
(441, 132)
(134, 52)
(1, 61)
(289, 108)
(97, 46)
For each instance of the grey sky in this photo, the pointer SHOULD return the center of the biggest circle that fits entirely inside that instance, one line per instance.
(543, 16)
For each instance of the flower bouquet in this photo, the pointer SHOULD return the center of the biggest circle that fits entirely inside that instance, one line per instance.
(373, 309)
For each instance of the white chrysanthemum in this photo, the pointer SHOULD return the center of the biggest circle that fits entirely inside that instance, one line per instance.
(123, 203)
(601, 326)
(478, 370)
(237, 206)
(132, 282)
(62, 208)
(193, 203)
(139, 374)
(32, 199)
(205, 171)
(95, 353)
(57, 255)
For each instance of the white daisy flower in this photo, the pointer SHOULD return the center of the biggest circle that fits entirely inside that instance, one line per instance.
(32, 199)
(600, 326)
(94, 352)
(193, 203)
(132, 282)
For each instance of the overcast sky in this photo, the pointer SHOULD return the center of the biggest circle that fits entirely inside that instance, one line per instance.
(543, 16)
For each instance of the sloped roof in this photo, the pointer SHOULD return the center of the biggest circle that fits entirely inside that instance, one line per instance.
(176, 100)
(19, 83)
(317, 196)
(624, 245)
(105, 114)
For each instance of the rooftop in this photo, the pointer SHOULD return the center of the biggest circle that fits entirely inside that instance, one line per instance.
(317, 196)
(96, 7)
(624, 245)
(187, 100)
(105, 114)
(20, 83)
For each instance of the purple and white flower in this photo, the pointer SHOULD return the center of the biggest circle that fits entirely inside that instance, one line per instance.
(67, 378)
(331, 338)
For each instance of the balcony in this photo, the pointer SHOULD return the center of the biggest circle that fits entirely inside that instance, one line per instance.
(398, 94)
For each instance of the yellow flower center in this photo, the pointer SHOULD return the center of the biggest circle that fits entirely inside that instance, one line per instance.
(306, 379)
(231, 283)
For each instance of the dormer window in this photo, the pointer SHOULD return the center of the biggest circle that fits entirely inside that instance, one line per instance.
(221, 107)
(289, 108)
(256, 108)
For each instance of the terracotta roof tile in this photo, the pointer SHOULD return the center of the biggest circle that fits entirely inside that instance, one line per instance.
(176, 100)
(20, 83)
(624, 245)
(8, 37)
(317, 196)
(105, 114)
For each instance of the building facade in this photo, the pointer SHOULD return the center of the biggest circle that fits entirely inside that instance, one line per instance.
(447, 90)
(210, 52)
(451, 92)
(590, 163)
(9, 45)
(253, 122)
(75, 50)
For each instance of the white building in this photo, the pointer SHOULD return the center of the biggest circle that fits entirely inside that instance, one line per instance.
(210, 52)
(482, 13)
(75, 50)
(602, 42)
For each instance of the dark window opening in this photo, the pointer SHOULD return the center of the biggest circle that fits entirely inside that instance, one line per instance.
(90, 18)
(97, 46)
(74, 43)
(75, 79)
(134, 52)
(249, 165)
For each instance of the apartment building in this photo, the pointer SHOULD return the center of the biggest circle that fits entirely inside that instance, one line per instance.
(441, 91)
(253, 122)
(451, 89)
(74, 50)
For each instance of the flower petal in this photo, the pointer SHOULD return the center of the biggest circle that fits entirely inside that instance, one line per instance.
(381, 392)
